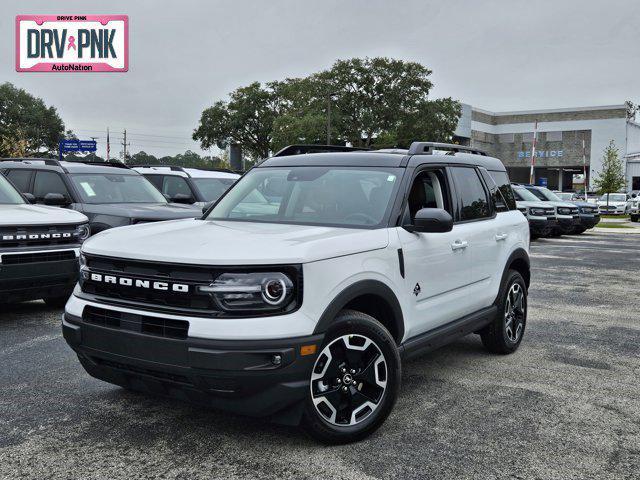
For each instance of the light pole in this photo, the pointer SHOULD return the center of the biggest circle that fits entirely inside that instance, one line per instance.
(330, 96)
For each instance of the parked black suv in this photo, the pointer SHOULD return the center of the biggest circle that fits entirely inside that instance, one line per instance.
(109, 194)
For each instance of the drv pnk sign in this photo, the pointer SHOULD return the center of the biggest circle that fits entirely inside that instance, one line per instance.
(72, 43)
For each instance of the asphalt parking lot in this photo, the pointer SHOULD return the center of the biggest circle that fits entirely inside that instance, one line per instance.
(566, 405)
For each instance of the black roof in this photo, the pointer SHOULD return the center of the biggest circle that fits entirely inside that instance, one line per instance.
(382, 158)
(66, 166)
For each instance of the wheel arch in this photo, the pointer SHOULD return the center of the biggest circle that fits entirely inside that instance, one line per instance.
(518, 261)
(371, 297)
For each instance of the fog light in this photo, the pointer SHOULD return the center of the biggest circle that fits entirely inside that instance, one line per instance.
(276, 359)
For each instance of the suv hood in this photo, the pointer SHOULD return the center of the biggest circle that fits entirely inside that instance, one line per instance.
(603, 203)
(207, 242)
(526, 203)
(144, 211)
(26, 214)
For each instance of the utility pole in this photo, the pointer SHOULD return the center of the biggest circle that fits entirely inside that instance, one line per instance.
(125, 145)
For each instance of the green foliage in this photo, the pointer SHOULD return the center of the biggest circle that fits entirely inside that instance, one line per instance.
(247, 119)
(611, 177)
(27, 126)
(186, 159)
(373, 102)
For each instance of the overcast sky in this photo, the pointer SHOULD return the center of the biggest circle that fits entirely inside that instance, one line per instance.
(497, 55)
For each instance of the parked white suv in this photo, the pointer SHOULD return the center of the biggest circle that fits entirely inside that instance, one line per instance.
(39, 249)
(302, 307)
(189, 185)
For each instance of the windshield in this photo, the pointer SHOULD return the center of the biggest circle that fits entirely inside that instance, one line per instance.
(116, 188)
(525, 195)
(335, 196)
(564, 195)
(213, 188)
(614, 197)
(544, 194)
(8, 194)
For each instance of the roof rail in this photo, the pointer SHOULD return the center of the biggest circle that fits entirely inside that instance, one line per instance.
(427, 148)
(46, 161)
(173, 168)
(100, 164)
(302, 149)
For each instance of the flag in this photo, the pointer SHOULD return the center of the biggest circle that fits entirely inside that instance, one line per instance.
(584, 163)
(533, 151)
(108, 146)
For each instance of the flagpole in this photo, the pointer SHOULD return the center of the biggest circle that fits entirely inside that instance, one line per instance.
(584, 163)
(533, 151)
(108, 146)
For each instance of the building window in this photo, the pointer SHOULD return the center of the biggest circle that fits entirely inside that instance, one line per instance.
(527, 137)
(505, 138)
(554, 136)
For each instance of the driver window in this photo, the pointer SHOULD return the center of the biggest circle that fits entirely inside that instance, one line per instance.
(428, 191)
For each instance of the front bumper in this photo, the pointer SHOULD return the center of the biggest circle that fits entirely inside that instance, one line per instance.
(567, 223)
(588, 220)
(35, 278)
(541, 225)
(241, 376)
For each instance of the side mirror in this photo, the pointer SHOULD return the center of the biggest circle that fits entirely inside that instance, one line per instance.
(431, 220)
(55, 199)
(206, 207)
(182, 198)
(29, 197)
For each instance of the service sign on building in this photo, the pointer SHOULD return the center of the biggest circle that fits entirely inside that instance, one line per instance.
(72, 43)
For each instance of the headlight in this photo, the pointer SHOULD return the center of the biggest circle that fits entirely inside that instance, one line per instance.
(252, 291)
(564, 211)
(83, 232)
(82, 260)
(537, 212)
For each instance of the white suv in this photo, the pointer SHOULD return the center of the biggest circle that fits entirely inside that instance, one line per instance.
(300, 305)
(39, 249)
(188, 185)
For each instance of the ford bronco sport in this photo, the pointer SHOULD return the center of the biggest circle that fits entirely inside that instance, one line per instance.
(39, 249)
(301, 305)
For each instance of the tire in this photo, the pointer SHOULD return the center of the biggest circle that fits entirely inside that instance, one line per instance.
(505, 333)
(57, 302)
(358, 354)
(634, 218)
(578, 231)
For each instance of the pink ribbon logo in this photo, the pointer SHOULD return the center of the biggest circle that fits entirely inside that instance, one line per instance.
(72, 43)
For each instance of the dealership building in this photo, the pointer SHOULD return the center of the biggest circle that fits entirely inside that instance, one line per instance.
(559, 148)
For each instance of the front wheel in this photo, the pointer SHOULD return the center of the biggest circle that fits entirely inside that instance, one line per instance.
(505, 333)
(354, 381)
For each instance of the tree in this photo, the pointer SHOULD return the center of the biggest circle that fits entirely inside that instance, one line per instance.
(27, 126)
(611, 177)
(371, 102)
(246, 119)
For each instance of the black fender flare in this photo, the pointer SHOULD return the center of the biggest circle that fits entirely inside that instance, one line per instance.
(517, 254)
(355, 290)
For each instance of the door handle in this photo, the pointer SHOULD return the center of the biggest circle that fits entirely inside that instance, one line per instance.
(501, 236)
(459, 245)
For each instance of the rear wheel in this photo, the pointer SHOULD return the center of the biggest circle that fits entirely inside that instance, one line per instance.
(505, 333)
(354, 381)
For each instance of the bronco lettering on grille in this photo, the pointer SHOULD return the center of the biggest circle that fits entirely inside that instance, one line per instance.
(35, 236)
(139, 283)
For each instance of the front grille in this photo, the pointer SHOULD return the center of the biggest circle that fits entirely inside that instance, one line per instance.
(132, 322)
(31, 236)
(181, 302)
(20, 258)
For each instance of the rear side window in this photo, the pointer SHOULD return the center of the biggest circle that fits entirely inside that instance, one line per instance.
(474, 202)
(49, 182)
(503, 183)
(173, 185)
(20, 178)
